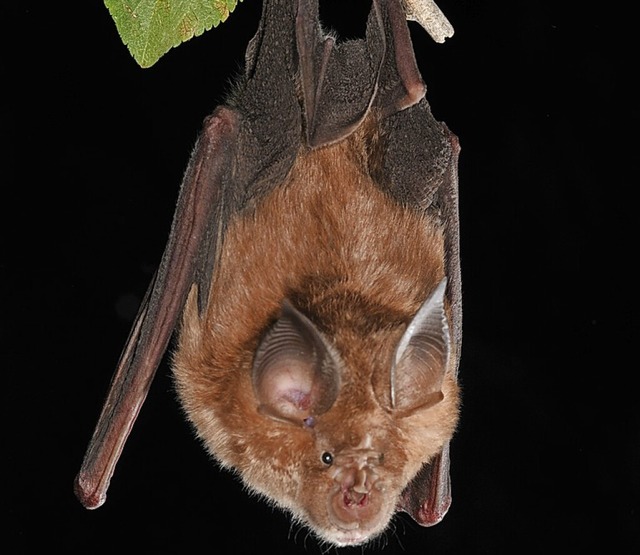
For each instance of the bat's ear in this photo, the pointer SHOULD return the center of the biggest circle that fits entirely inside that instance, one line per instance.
(295, 373)
(422, 356)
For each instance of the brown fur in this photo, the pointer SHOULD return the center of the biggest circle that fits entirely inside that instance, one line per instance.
(359, 266)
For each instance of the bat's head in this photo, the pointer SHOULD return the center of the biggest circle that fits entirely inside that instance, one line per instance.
(350, 427)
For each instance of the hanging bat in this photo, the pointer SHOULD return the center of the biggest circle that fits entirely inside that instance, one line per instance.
(313, 269)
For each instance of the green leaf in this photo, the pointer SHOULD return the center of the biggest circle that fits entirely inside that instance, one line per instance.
(150, 28)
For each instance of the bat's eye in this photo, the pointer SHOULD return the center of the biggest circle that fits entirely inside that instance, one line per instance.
(327, 458)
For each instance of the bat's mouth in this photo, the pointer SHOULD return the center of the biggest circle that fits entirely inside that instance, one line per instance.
(357, 516)
(354, 500)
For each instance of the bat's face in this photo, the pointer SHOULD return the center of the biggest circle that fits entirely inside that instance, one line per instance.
(323, 368)
(349, 480)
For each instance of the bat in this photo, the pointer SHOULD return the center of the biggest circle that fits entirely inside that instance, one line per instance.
(312, 275)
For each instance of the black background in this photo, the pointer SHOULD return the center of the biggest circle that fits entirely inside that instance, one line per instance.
(547, 456)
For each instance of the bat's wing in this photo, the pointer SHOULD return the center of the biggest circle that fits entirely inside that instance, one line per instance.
(201, 200)
(236, 159)
(420, 167)
(421, 162)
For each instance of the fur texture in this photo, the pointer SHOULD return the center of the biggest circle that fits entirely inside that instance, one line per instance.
(359, 266)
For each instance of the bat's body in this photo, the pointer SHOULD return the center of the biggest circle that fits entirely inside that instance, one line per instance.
(360, 280)
(316, 239)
